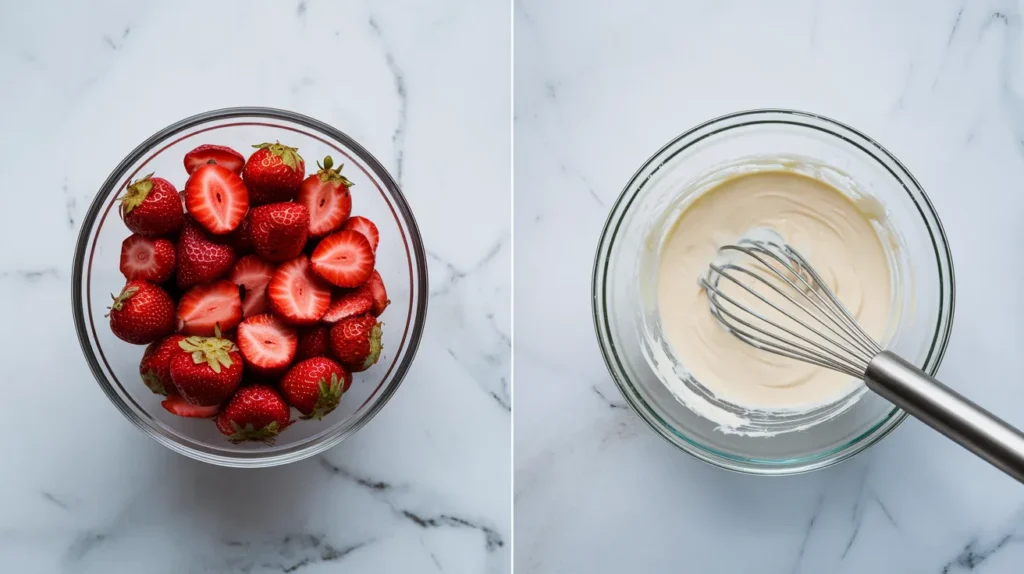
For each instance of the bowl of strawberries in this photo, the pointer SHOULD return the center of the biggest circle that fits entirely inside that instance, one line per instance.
(249, 286)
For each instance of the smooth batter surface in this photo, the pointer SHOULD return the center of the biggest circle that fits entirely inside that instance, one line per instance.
(826, 227)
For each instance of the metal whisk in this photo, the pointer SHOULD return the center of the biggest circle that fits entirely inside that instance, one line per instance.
(767, 295)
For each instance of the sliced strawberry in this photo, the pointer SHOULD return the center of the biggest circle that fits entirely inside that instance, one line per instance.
(297, 294)
(202, 309)
(216, 198)
(148, 259)
(375, 285)
(344, 258)
(218, 154)
(366, 227)
(326, 195)
(179, 406)
(252, 274)
(348, 303)
(267, 344)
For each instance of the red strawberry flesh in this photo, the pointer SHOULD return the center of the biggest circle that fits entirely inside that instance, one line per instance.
(218, 154)
(366, 227)
(205, 307)
(348, 303)
(267, 344)
(179, 406)
(344, 259)
(148, 259)
(296, 294)
(216, 198)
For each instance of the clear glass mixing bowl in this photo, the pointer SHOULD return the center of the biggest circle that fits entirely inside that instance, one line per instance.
(401, 260)
(626, 314)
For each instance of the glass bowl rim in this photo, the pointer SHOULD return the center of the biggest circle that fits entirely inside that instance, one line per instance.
(419, 267)
(880, 429)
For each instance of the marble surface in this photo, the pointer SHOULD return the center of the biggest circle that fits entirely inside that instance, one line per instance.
(598, 89)
(424, 487)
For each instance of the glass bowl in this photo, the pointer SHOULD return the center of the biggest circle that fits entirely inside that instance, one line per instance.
(401, 261)
(625, 271)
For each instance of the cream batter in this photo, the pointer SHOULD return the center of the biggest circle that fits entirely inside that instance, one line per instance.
(819, 221)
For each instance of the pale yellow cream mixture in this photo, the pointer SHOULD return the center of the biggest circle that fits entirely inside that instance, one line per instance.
(819, 221)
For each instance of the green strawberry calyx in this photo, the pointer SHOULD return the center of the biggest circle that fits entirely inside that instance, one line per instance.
(266, 434)
(289, 155)
(375, 347)
(330, 396)
(136, 194)
(154, 382)
(214, 351)
(120, 300)
(328, 174)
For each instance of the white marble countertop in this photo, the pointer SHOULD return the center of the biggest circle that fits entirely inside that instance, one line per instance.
(599, 88)
(424, 487)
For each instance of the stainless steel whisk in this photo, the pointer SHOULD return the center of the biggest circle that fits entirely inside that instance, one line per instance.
(803, 319)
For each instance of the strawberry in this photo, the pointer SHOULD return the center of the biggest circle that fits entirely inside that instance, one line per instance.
(148, 259)
(366, 227)
(205, 307)
(218, 154)
(142, 313)
(355, 342)
(155, 367)
(252, 274)
(150, 207)
(315, 386)
(325, 194)
(344, 258)
(200, 260)
(348, 303)
(296, 294)
(241, 238)
(375, 285)
(208, 371)
(179, 406)
(312, 343)
(273, 173)
(254, 413)
(216, 198)
(267, 345)
(279, 230)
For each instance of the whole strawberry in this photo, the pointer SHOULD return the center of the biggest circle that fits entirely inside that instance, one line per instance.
(313, 342)
(201, 260)
(315, 386)
(355, 342)
(208, 371)
(151, 207)
(326, 195)
(254, 413)
(147, 258)
(273, 173)
(155, 368)
(279, 230)
(142, 313)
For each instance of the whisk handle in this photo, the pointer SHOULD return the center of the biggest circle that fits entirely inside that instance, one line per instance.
(948, 412)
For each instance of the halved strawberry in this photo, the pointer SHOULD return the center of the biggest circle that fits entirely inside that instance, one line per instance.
(148, 259)
(344, 258)
(348, 303)
(218, 154)
(179, 406)
(366, 227)
(205, 307)
(216, 198)
(297, 295)
(267, 345)
(252, 274)
(375, 285)
(325, 194)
